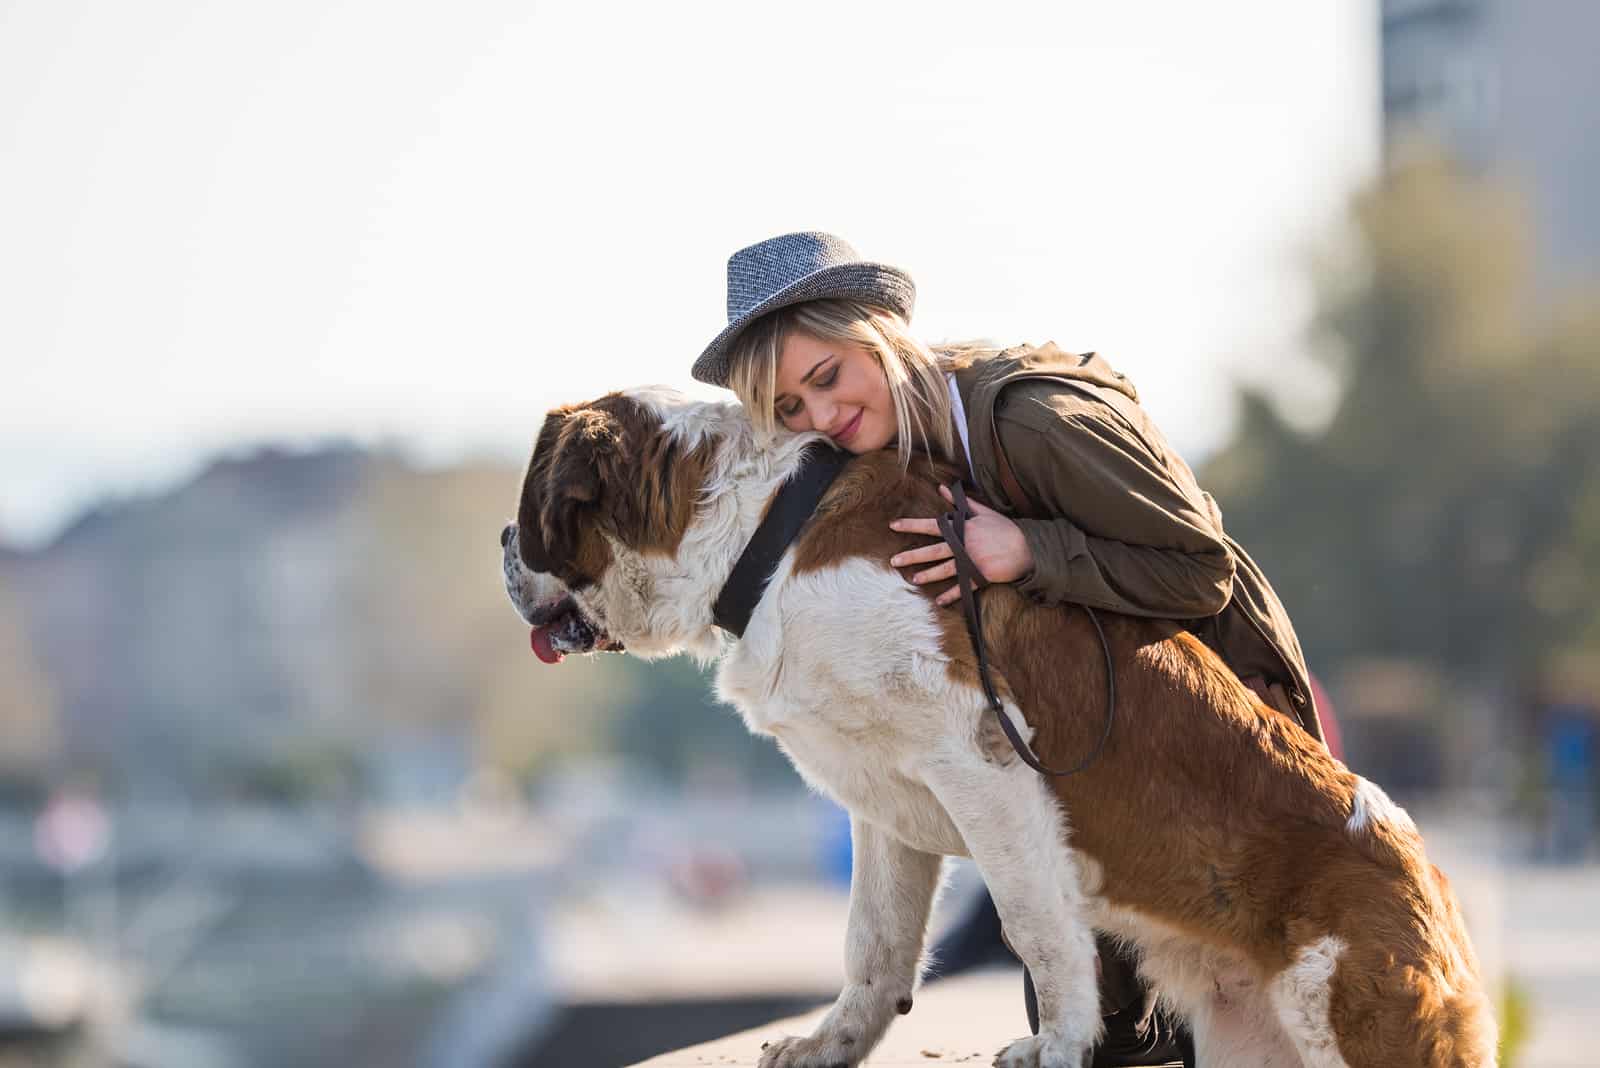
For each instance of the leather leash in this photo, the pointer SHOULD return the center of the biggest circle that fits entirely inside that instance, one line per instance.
(952, 527)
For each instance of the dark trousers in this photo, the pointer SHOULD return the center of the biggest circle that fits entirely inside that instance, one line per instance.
(1136, 1034)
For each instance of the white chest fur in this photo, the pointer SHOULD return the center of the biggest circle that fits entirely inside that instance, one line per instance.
(844, 668)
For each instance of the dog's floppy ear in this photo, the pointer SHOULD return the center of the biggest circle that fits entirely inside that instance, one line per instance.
(588, 440)
(564, 485)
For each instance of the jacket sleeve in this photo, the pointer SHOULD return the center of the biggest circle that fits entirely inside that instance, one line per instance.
(1126, 531)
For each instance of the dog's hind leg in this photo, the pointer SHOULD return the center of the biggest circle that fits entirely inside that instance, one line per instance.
(1223, 999)
(1240, 1026)
(891, 895)
(1016, 833)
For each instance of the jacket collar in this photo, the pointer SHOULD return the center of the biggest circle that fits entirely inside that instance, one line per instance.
(981, 382)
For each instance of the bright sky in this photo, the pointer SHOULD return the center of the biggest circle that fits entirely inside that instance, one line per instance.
(426, 223)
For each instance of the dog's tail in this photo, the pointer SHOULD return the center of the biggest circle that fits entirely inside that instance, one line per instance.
(1384, 829)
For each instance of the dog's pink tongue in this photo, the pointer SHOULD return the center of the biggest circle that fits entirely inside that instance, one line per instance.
(542, 648)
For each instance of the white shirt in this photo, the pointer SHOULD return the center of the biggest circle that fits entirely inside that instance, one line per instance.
(960, 411)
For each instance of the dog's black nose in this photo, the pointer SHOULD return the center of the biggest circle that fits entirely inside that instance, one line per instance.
(507, 534)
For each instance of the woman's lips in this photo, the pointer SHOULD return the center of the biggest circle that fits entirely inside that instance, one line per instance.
(849, 428)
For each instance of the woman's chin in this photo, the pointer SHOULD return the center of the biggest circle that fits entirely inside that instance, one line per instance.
(861, 443)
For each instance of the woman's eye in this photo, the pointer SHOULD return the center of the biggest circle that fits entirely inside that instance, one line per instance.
(827, 379)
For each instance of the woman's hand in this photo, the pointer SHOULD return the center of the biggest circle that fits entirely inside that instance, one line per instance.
(994, 542)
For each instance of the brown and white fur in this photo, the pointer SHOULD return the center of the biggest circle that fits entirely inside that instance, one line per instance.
(1280, 903)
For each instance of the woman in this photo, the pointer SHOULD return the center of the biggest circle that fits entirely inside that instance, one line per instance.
(1089, 504)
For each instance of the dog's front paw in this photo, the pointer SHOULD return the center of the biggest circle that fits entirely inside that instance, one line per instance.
(1043, 1051)
(814, 1051)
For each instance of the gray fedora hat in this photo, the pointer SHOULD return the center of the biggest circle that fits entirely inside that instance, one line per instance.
(793, 268)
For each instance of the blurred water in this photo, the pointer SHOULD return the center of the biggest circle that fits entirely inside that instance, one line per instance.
(268, 936)
(278, 936)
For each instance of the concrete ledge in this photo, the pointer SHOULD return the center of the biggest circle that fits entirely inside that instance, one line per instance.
(966, 1020)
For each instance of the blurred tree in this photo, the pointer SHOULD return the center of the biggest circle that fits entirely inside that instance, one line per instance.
(431, 638)
(29, 736)
(300, 771)
(675, 728)
(1449, 511)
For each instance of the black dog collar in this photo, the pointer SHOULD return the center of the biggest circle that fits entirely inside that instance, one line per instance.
(797, 498)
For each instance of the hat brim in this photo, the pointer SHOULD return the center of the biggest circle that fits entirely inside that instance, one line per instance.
(870, 283)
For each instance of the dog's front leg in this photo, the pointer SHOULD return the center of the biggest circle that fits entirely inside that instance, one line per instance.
(891, 894)
(1016, 833)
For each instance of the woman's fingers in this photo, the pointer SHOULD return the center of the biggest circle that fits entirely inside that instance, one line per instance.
(977, 506)
(934, 574)
(937, 551)
(920, 556)
(916, 526)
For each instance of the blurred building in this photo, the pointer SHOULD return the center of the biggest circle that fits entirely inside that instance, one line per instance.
(1513, 85)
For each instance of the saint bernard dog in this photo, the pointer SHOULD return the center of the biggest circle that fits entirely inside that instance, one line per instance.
(1280, 903)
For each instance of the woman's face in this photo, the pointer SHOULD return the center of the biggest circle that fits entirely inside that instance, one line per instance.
(836, 387)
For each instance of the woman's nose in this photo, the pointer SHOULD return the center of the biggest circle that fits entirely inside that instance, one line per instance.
(821, 415)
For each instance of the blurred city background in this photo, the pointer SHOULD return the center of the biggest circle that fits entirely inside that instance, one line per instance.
(284, 298)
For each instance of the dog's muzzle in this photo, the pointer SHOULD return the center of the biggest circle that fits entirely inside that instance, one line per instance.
(559, 625)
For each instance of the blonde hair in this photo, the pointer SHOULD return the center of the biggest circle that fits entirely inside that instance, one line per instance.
(922, 409)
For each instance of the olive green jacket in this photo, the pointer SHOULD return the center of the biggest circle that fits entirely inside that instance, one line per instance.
(1114, 517)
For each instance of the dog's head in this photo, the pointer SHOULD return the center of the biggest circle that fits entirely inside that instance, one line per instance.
(612, 488)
